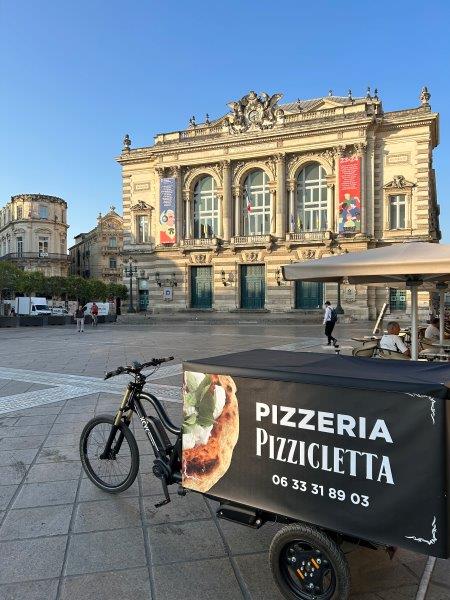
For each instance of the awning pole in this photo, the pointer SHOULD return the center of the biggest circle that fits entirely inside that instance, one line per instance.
(414, 320)
(441, 287)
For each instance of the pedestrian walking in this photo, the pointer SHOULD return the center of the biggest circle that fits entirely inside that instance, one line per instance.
(79, 316)
(329, 320)
(94, 314)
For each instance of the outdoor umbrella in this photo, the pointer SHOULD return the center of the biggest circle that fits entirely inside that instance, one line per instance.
(411, 264)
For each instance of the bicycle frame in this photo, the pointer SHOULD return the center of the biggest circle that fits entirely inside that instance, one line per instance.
(167, 461)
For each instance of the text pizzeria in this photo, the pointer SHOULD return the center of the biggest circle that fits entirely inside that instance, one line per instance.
(333, 459)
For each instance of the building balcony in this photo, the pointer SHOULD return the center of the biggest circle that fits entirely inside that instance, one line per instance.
(137, 247)
(111, 249)
(111, 273)
(24, 256)
(252, 240)
(202, 243)
(308, 237)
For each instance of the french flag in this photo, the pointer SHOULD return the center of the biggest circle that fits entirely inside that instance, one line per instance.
(247, 200)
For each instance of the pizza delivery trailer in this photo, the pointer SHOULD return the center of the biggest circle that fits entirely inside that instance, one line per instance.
(342, 448)
(337, 448)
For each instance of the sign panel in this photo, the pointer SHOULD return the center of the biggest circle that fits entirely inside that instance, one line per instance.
(370, 464)
(168, 294)
(350, 195)
(167, 210)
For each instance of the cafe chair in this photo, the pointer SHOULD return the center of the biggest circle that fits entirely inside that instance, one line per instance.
(366, 350)
(427, 344)
(391, 355)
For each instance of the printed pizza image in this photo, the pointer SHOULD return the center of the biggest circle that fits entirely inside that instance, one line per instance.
(210, 428)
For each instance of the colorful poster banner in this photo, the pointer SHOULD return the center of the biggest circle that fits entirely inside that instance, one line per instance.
(167, 210)
(350, 195)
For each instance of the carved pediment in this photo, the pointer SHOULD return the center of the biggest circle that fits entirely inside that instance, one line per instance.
(253, 112)
(141, 205)
(399, 182)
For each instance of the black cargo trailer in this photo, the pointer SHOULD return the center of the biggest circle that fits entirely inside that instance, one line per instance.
(337, 448)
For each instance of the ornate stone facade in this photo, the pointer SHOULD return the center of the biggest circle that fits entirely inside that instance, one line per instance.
(260, 187)
(33, 233)
(97, 254)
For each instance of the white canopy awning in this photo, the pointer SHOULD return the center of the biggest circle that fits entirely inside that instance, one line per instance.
(411, 264)
(397, 263)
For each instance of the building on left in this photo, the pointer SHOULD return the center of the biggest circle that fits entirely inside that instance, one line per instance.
(97, 253)
(33, 233)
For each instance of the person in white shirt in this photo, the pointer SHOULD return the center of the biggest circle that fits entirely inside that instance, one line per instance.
(329, 320)
(392, 341)
(432, 331)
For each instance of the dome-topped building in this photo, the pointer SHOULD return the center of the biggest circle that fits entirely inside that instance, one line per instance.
(33, 233)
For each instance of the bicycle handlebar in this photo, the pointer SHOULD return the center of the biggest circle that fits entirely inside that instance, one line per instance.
(138, 367)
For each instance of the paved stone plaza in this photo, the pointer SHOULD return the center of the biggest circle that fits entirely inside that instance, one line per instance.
(62, 538)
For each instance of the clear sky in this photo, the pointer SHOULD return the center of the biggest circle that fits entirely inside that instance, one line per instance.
(76, 75)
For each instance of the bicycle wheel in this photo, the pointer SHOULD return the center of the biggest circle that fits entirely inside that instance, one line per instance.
(306, 564)
(117, 471)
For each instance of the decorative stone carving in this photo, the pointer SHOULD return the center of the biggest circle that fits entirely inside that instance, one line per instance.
(308, 254)
(399, 182)
(250, 257)
(349, 293)
(126, 143)
(253, 112)
(160, 171)
(425, 97)
(141, 205)
(360, 148)
(271, 164)
(200, 259)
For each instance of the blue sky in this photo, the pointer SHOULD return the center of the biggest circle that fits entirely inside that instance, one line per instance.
(76, 76)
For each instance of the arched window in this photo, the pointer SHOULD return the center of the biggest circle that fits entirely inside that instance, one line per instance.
(256, 209)
(206, 208)
(311, 209)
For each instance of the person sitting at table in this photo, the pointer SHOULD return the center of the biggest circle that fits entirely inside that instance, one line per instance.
(432, 331)
(392, 341)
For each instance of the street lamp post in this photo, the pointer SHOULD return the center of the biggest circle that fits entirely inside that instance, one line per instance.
(129, 271)
(339, 309)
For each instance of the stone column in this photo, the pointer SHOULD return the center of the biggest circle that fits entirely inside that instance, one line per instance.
(330, 207)
(280, 227)
(361, 153)
(273, 219)
(179, 205)
(237, 211)
(226, 200)
(219, 232)
(187, 214)
(292, 219)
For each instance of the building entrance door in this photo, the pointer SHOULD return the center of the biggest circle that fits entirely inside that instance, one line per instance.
(143, 300)
(308, 295)
(253, 287)
(201, 287)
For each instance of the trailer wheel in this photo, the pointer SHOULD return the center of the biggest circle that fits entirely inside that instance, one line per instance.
(307, 564)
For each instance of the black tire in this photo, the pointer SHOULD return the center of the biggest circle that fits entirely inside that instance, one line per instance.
(330, 581)
(129, 447)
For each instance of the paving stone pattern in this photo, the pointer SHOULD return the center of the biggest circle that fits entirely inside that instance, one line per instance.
(61, 538)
